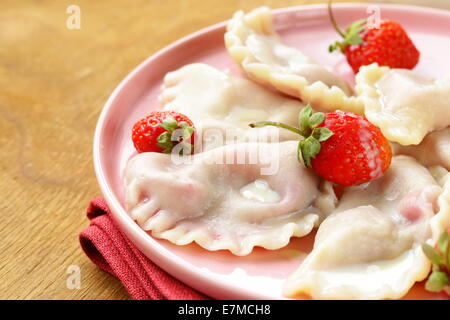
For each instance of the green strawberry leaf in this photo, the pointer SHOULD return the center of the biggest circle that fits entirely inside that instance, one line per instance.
(165, 141)
(310, 147)
(316, 119)
(437, 281)
(183, 124)
(304, 120)
(188, 132)
(443, 242)
(448, 258)
(169, 124)
(167, 145)
(164, 137)
(352, 34)
(322, 134)
(432, 254)
(333, 47)
(299, 153)
(357, 26)
(353, 39)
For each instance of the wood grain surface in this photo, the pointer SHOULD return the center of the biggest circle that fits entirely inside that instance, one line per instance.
(53, 84)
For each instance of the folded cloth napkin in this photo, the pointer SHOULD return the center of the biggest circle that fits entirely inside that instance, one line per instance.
(112, 252)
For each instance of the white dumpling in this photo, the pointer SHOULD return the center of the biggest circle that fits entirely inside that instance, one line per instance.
(434, 150)
(369, 248)
(264, 201)
(256, 47)
(216, 101)
(405, 105)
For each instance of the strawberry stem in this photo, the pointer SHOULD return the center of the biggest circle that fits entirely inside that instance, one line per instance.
(333, 20)
(275, 124)
(439, 279)
(308, 123)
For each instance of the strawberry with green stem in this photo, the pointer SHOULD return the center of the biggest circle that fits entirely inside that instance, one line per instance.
(439, 279)
(308, 128)
(388, 44)
(161, 131)
(342, 147)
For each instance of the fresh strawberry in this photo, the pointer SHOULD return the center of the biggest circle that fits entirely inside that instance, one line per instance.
(161, 131)
(356, 153)
(342, 147)
(439, 279)
(387, 44)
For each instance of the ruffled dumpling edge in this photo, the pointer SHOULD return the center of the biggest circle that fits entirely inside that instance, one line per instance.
(438, 224)
(318, 93)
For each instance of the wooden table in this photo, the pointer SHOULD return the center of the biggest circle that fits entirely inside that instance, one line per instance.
(53, 84)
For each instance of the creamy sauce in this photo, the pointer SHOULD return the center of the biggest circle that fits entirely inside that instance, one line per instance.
(260, 190)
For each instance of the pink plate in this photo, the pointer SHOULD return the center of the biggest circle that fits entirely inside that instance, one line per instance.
(220, 274)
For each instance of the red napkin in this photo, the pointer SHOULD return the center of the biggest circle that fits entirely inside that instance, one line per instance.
(112, 252)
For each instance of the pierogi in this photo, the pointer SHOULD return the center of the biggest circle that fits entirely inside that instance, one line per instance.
(403, 104)
(222, 106)
(254, 45)
(369, 247)
(212, 198)
(434, 150)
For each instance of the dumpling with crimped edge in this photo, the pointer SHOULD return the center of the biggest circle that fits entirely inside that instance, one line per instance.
(217, 101)
(370, 247)
(208, 199)
(405, 105)
(434, 150)
(255, 46)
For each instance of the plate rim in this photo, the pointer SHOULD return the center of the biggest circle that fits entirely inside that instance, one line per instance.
(164, 258)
